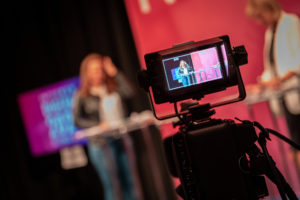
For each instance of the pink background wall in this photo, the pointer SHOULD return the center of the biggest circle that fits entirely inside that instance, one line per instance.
(205, 61)
(185, 20)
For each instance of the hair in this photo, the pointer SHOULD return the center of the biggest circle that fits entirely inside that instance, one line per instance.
(256, 7)
(182, 63)
(84, 89)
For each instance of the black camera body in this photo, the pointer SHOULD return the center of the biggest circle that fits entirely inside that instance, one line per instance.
(210, 160)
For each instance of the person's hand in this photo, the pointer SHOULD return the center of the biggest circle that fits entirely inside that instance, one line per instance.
(288, 75)
(104, 125)
(109, 67)
(254, 88)
(273, 83)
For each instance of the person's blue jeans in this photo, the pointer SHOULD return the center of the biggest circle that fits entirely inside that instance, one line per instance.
(97, 158)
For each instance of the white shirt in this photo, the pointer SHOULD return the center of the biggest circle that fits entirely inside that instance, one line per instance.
(110, 108)
(286, 58)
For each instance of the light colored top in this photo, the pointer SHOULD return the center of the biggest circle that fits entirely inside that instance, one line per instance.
(286, 58)
(110, 106)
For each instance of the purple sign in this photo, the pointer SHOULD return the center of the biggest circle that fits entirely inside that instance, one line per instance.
(47, 116)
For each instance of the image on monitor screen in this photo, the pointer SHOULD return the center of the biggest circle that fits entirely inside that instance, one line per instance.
(193, 68)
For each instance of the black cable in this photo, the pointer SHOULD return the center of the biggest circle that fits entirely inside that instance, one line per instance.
(274, 175)
(259, 165)
(278, 181)
(282, 186)
(287, 140)
(288, 189)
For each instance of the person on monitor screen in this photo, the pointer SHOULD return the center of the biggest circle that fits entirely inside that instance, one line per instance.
(98, 102)
(186, 73)
(281, 60)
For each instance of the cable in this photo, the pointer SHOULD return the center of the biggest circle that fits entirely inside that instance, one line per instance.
(278, 181)
(282, 186)
(277, 134)
(287, 140)
(274, 175)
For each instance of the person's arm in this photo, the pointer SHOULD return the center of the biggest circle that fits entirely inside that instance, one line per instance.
(125, 88)
(290, 74)
(79, 119)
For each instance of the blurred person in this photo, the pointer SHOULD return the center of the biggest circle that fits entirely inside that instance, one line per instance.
(281, 61)
(98, 102)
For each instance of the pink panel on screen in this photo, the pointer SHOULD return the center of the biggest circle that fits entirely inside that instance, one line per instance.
(197, 65)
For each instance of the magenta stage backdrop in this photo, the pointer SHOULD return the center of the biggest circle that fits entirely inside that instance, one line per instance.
(47, 116)
(159, 24)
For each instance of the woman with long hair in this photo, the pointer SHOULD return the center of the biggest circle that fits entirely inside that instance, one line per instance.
(98, 102)
(183, 72)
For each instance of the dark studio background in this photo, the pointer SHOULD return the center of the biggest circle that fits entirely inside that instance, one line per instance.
(46, 42)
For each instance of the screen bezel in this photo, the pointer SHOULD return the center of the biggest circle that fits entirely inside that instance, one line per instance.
(153, 79)
(156, 77)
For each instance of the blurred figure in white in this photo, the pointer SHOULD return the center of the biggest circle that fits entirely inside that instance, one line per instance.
(281, 62)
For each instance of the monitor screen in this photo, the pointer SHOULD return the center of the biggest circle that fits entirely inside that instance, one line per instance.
(47, 116)
(193, 68)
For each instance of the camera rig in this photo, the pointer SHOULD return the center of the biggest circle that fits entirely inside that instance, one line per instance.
(213, 158)
(160, 73)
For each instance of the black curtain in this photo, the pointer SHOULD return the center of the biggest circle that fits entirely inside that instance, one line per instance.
(45, 43)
